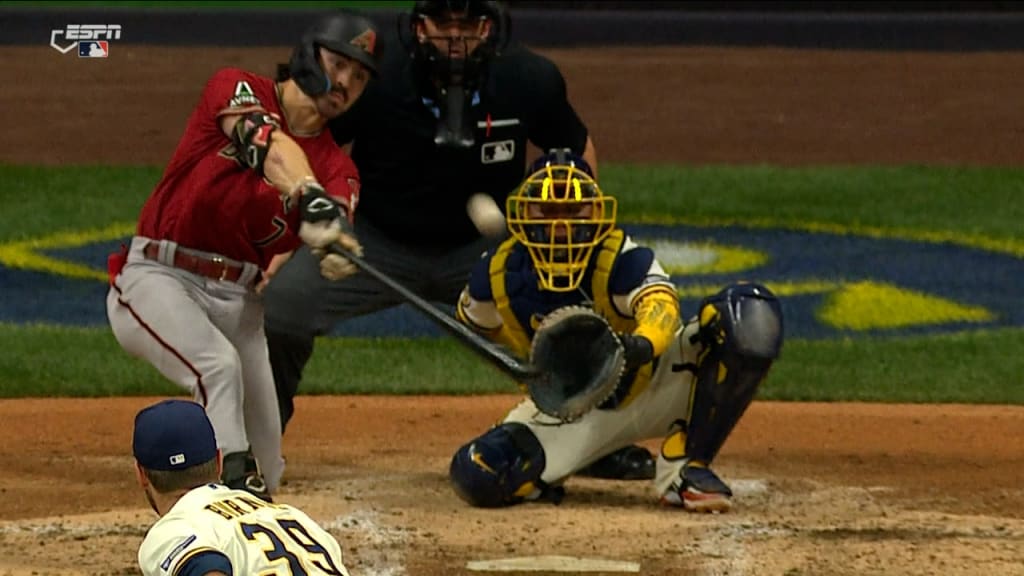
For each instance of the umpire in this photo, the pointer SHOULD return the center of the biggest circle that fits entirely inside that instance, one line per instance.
(450, 115)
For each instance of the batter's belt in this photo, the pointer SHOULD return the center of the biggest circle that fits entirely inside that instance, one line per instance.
(203, 264)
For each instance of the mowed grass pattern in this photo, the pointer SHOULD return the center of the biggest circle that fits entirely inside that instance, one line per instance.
(957, 203)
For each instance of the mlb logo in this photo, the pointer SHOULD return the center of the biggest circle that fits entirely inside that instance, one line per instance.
(94, 49)
(493, 152)
(177, 459)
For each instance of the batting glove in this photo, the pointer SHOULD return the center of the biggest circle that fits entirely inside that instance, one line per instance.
(324, 220)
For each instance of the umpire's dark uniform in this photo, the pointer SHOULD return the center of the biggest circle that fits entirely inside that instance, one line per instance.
(411, 217)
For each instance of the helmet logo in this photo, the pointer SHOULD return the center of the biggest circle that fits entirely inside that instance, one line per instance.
(367, 41)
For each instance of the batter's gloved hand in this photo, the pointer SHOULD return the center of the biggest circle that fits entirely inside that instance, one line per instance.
(324, 220)
(638, 350)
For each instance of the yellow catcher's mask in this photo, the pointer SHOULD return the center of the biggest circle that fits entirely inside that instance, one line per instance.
(560, 214)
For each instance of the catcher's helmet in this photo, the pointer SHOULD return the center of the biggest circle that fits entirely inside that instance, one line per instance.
(345, 33)
(560, 214)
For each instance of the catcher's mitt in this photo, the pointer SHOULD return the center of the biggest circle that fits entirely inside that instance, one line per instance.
(581, 361)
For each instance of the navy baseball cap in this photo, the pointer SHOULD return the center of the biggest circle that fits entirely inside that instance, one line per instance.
(173, 435)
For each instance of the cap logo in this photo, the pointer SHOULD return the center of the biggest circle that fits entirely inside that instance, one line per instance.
(177, 459)
(367, 41)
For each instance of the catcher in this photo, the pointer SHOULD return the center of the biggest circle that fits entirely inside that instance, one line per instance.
(687, 383)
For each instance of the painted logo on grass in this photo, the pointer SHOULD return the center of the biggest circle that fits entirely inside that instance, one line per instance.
(833, 281)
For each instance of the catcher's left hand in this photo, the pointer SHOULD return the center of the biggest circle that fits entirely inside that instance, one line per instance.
(581, 360)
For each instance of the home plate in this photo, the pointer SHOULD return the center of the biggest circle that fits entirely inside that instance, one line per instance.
(552, 564)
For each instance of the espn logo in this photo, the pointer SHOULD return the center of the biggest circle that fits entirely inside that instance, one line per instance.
(93, 40)
(94, 49)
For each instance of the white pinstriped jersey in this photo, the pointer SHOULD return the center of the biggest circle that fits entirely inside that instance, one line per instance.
(256, 537)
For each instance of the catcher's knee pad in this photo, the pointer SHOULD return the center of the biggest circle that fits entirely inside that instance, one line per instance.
(741, 334)
(500, 468)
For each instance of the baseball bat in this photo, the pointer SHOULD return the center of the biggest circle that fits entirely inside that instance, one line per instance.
(488, 350)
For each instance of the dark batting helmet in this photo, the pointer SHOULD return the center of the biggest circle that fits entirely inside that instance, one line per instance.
(345, 33)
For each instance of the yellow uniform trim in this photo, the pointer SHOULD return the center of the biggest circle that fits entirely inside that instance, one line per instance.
(512, 333)
(599, 282)
(610, 249)
(674, 447)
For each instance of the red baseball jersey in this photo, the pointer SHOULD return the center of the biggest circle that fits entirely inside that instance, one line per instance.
(206, 200)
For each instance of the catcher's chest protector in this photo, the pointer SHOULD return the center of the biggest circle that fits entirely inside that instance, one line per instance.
(602, 266)
(522, 304)
(518, 297)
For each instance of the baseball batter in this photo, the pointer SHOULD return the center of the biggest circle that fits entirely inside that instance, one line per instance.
(687, 384)
(206, 528)
(254, 176)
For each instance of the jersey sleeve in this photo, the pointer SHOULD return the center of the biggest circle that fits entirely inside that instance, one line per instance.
(476, 306)
(556, 123)
(230, 91)
(203, 562)
(479, 283)
(172, 545)
(341, 181)
(642, 290)
(636, 272)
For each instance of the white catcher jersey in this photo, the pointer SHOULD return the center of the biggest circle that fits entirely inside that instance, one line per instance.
(256, 537)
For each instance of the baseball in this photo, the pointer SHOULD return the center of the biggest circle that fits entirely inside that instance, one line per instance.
(486, 215)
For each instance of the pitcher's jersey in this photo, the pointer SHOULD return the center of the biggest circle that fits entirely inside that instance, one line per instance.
(216, 528)
(206, 200)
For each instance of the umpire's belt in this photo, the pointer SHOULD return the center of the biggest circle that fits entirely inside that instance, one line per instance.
(201, 263)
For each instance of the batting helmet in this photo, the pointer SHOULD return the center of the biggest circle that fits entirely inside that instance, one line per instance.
(345, 33)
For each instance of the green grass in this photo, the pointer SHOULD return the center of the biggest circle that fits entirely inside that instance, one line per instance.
(975, 368)
(965, 200)
(972, 367)
(961, 200)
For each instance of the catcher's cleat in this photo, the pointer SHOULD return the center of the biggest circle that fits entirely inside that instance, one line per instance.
(699, 490)
(240, 473)
(629, 463)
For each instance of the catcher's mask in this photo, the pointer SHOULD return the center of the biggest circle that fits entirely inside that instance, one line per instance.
(345, 33)
(560, 214)
(452, 42)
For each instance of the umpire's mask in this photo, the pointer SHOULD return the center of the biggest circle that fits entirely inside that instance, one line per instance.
(452, 42)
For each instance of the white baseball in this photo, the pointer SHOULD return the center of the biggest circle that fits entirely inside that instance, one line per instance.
(486, 215)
